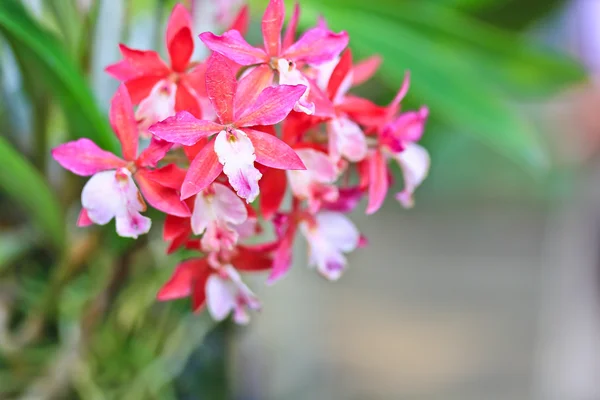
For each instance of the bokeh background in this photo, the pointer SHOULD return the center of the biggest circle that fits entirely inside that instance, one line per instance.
(487, 289)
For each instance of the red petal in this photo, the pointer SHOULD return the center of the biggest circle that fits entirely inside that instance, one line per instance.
(83, 157)
(273, 152)
(247, 259)
(186, 101)
(121, 71)
(84, 220)
(123, 123)
(233, 46)
(295, 126)
(146, 63)
(175, 227)
(272, 23)
(282, 260)
(160, 197)
(177, 243)
(140, 88)
(364, 70)
(251, 86)
(154, 153)
(272, 185)
(186, 275)
(272, 105)
(342, 69)
(202, 171)
(199, 291)
(196, 80)
(221, 86)
(192, 151)
(181, 49)
(378, 182)
(179, 19)
(290, 32)
(184, 128)
(170, 176)
(393, 107)
(241, 22)
(317, 46)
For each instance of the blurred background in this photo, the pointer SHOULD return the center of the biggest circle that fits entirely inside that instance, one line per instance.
(487, 289)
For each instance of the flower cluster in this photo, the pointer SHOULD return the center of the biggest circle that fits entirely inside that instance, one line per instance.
(249, 121)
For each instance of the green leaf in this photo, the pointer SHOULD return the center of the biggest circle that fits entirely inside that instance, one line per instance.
(20, 180)
(56, 72)
(453, 88)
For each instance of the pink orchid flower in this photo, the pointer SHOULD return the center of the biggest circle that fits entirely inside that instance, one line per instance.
(158, 88)
(217, 210)
(218, 286)
(317, 46)
(329, 236)
(112, 192)
(237, 146)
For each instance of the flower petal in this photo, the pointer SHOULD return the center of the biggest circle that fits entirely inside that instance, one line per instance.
(282, 259)
(187, 273)
(203, 170)
(290, 33)
(158, 106)
(184, 128)
(221, 87)
(364, 70)
(233, 46)
(250, 87)
(378, 182)
(219, 236)
(83, 157)
(179, 19)
(346, 139)
(162, 198)
(289, 74)
(175, 227)
(272, 105)
(217, 203)
(241, 21)
(340, 73)
(145, 63)
(273, 182)
(251, 260)
(155, 152)
(414, 161)
(317, 46)
(179, 38)
(140, 88)
(220, 297)
(84, 219)
(170, 176)
(272, 152)
(123, 123)
(272, 23)
(185, 100)
(236, 154)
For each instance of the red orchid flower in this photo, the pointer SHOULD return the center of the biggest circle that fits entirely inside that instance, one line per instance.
(158, 88)
(237, 146)
(317, 46)
(111, 192)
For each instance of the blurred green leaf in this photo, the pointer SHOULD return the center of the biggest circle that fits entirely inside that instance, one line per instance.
(56, 71)
(14, 243)
(453, 88)
(21, 181)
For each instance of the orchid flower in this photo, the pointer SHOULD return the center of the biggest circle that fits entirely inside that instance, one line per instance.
(237, 146)
(112, 192)
(158, 88)
(317, 46)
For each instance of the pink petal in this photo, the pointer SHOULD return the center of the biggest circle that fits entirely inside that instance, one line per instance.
(241, 22)
(203, 170)
(221, 86)
(364, 70)
(170, 176)
(339, 74)
(272, 23)
(219, 236)
(84, 219)
(348, 199)
(282, 259)
(162, 198)
(272, 152)
(123, 123)
(122, 71)
(317, 46)
(187, 273)
(233, 46)
(236, 153)
(346, 139)
(409, 126)
(155, 152)
(414, 161)
(378, 182)
(271, 106)
(250, 87)
(145, 63)
(140, 88)
(184, 128)
(217, 203)
(83, 157)
(290, 32)
(393, 107)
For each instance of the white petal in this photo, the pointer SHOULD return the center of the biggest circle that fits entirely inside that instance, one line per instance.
(338, 230)
(228, 206)
(415, 162)
(220, 297)
(346, 139)
(159, 105)
(236, 153)
(202, 214)
(290, 75)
